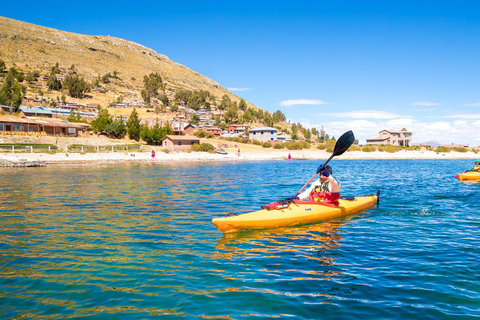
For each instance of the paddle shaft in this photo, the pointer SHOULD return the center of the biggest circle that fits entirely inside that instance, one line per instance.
(323, 166)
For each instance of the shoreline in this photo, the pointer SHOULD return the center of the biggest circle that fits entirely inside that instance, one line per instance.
(24, 159)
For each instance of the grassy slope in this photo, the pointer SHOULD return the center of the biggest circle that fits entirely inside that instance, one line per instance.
(33, 47)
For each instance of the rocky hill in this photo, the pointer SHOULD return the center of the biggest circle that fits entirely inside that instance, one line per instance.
(32, 47)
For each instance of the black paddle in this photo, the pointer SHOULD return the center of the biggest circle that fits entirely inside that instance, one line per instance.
(342, 145)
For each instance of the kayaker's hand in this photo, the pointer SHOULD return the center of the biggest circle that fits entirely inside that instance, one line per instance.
(323, 172)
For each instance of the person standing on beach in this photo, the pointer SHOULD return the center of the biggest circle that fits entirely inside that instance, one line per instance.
(326, 189)
(289, 156)
(153, 153)
(238, 154)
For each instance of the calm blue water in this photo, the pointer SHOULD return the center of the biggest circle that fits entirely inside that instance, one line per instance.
(133, 241)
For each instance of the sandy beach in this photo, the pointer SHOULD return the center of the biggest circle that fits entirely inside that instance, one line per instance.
(251, 154)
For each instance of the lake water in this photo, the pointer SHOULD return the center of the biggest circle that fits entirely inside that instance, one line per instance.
(131, 241)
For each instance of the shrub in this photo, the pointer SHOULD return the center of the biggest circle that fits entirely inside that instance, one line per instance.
(329, 150)
(278, 146)
(321, 146)
(203, 147)
(266, 144)
(292, 145)
(204, 134)
(390, 149)
(369, 149)
(442, 149)
(460, 149)
(257, 143)
(305, 145)
(354, 147)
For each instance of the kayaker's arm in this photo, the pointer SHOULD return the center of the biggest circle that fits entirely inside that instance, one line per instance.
(335, 185)
(305, 194)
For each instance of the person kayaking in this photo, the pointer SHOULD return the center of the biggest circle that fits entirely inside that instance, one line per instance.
(326, 189)
(476, 167)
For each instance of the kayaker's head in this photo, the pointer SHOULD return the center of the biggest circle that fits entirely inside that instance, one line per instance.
(325, 173)
(477, 162)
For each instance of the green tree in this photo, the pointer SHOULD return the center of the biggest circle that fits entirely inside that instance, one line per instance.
(53, 83)
(279, 116)
(155, 134)
(174, 107)
(55, 69)
(16, 74)
(30, 78)
(76, 86)
(195, 119)
(182, 96)
(106, 78)
(116, 129)
(74, 116)
(243, 105)
(225, 103)
(100, 123)
(231, 116)
(72, 70)
(3, 66)
(164, 99)
(152, 83)
(145, 96)
(321, 135)
(133, 125)
(11, 92)
(294, 131)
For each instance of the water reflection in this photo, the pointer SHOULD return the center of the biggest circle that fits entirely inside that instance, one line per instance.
(317, 242)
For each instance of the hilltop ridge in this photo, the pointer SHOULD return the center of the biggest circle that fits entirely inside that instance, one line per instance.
(33, 47)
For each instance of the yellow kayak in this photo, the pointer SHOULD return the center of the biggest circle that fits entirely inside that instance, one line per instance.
(293, 214)
(469, 175)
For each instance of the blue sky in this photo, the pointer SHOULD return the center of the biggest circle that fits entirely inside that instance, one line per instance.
(345, 65)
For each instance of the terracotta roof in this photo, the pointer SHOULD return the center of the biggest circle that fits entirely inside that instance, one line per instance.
(181, 138)
(379, 138)
(16, 119)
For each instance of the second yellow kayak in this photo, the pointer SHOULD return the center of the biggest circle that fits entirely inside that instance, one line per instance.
(469, 175)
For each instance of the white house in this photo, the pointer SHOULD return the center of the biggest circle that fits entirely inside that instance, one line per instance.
(393, 137)
(263, 134)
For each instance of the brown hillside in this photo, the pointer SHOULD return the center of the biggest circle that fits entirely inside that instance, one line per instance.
(32, 47)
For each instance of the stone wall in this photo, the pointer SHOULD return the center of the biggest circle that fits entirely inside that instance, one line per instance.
(62, 142)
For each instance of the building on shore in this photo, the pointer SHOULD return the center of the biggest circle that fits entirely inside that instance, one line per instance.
(392, 137)
(263, 134)
(34, 125)
(173, 142)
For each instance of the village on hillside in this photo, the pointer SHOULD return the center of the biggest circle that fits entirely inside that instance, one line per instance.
(174, 119)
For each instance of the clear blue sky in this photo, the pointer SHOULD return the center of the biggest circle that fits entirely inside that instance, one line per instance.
(359, 65)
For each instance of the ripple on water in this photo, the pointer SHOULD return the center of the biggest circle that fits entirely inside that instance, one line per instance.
(137, 242)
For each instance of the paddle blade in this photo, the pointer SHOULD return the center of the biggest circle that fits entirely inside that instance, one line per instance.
(343, 143)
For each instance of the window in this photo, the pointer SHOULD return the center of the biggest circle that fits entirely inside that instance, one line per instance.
(18, 127)
(179, 143)
(1, 127)
(31, 128)
(71, 130)
(271, 132)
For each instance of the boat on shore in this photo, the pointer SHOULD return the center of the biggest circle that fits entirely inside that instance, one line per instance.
(219, 151)
(291, 213)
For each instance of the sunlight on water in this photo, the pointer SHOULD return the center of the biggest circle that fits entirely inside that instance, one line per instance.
(136, 241)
